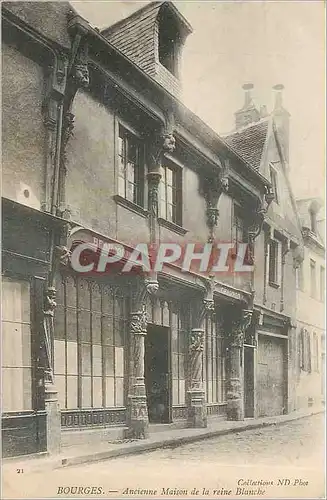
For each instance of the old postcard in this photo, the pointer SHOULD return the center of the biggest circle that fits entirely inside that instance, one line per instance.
(163, 249)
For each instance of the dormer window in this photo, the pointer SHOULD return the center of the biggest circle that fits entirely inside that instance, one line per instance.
(169, 43)
(152, 38)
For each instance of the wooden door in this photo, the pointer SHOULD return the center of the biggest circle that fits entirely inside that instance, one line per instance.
(271, 376)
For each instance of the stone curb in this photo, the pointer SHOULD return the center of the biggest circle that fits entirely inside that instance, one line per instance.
(143, 446)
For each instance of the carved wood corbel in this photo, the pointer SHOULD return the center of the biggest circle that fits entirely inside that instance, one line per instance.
(163, 142)
(77, 78)
(256, 226)
(56, 75)
(213, 187)
(298, 256)
(239, 327)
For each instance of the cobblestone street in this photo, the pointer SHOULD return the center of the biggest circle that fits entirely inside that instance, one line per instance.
(243, 464)
(296, 443)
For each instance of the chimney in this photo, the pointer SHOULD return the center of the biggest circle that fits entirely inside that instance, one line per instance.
(281, 119)
(278, 89)
(248, 87)
(248, 113)
(263, 111)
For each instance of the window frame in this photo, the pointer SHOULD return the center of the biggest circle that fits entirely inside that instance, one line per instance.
(107, 313)
(177, 192)
(139, 191)
(214, 366)
(313, 279)
(274, 280)
(26, 324)
(179, 326)
(168, 48)
(315, 345)
(237, 227)
(305, 351)
(240, 231)
(322, 284)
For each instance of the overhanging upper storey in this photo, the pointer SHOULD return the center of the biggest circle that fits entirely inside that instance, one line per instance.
(152, 38)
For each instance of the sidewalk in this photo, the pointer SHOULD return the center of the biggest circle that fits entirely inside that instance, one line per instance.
(72, 456)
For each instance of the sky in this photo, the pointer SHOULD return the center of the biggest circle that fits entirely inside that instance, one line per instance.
(262, 42)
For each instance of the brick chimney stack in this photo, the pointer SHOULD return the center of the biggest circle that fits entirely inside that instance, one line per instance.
(248, 113)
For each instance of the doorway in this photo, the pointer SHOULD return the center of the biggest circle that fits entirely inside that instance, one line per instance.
(248, 382)
(157, 378)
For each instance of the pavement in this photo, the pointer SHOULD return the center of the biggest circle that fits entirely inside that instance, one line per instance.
(84, 454)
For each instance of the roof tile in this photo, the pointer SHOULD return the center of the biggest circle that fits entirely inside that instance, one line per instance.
(249, 142)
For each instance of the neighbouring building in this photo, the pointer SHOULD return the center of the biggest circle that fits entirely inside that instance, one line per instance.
(262, 139)
(311, 279)
(97, 148)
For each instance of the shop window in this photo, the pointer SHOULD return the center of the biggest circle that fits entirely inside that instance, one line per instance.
(16, 346)
(130, 167)
(90, 331)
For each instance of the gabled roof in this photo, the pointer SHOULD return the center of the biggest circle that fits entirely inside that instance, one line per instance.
(249, 142)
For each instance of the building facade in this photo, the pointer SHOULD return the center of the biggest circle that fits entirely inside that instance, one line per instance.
(310, 380)
(98, 150)
(262, 139)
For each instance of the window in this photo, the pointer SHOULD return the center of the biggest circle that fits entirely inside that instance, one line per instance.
(300, 277)
(215, 374)
(171, 194)
(274, 262)
(273, 180)
(169, 43)
(179, 345)
(239, 233)
(322, 283)
(130, 167)
(16, 346)
(313, 278)
(315, 353)
(305, 350)
(313, 221)
(90, 327)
